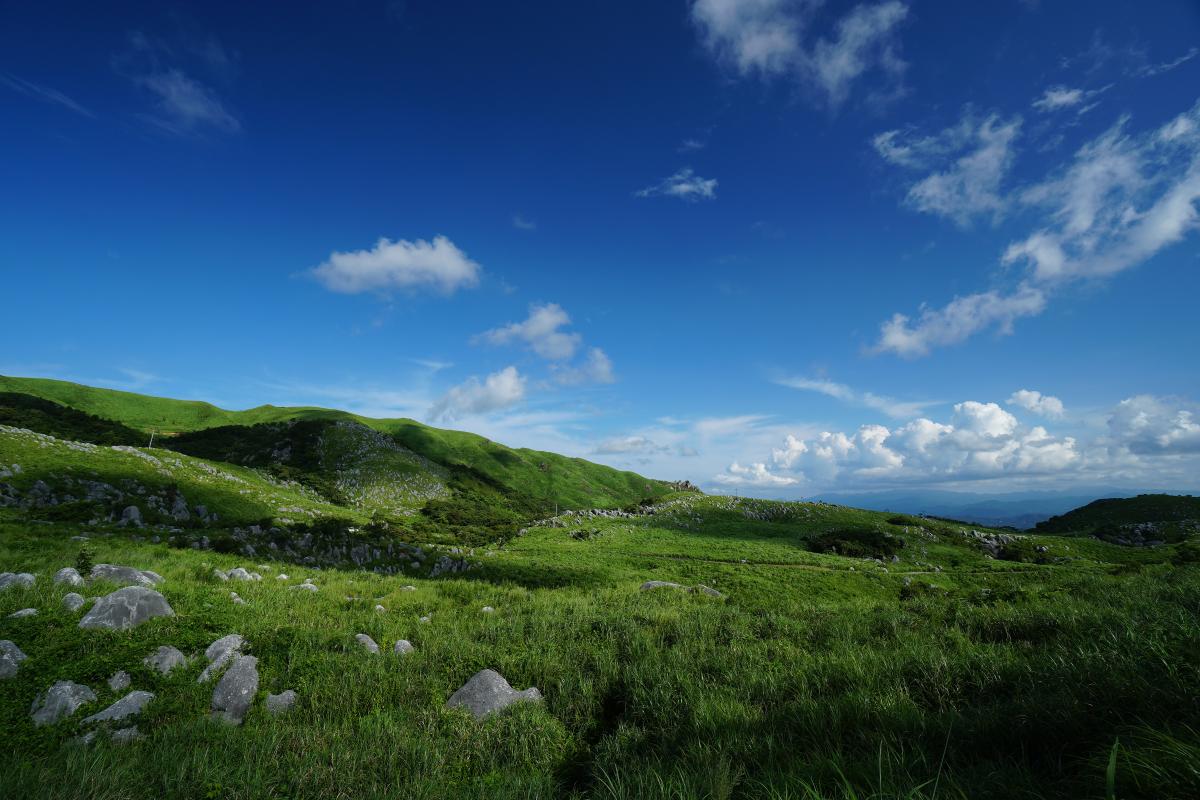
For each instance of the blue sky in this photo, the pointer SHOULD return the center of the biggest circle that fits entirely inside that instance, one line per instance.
(774, 247)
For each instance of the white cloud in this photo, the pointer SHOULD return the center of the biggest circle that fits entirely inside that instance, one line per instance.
(497, 391)
(596, 368)
(44, 93)
(438, 266)
(972, 158)
(184, 105)
(629, 444)
(691, 145)
(1151, 70)
(1037, 403)
(540, 331)
(1121, 200)
(770, 38)
(1148, 425)
(756, 475)
(522, 224)
(685, 184)
(893, 408)
(1057, 98)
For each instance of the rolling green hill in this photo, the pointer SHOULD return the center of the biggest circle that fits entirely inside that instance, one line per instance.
(1147, 517)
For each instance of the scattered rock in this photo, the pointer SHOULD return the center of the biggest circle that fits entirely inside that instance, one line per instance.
(10, 659)
(239, 574)
(132, 515)
(367, 642)
(236, 599)
(235, 691)
(426, 618)
(380, 609)
(119, 681)
(69, 576)
(165, 659)
(61, 700)
(73, 601)
(408, 588)
(403, 647)
(220, 653)
(118, 574)
(24, 612)
(10, 579)
(650, 585)
(127, 706)
(126, 735)
(304, 587)
(708, 590)
(219, 575)
(281, 577)
(280, 703)
(487, 610)
(126, 608)
(488, 692)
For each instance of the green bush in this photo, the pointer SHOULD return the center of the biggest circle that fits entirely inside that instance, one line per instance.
(858, 543)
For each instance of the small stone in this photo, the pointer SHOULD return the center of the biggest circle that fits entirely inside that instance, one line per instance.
(126, 608)
(487, 610)
(73, 601)
(280, 703)
(487, 692)
(426, 618)
(281, 577)
(236, 599)
(239, 574)
(708, 590)
(403, 647)
(408, 588)
(61, 700)
(129, 705)
(380, 609)
(220, 575)
(220, 653)
(126, 735)
(650, 585)
(10, 659)
(367, 642)
(24, 612)
(119, 681)
(69, 576)
(235, 692)
(304, 587)
(165, 659)
(9, 580)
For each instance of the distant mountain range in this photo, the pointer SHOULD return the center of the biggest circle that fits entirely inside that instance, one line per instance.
(1015, 509)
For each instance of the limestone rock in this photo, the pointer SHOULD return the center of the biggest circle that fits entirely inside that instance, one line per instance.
(235, 691)
(126, 608)
(487, 610)
(61, 700)
(240, 574)
(126, 735)
(367, 642)
(708, 590)
(129, 705)
(73, 601)
(69, 576)
(650, 585)
(119, 681)
(165, 659)
(403, 647)
(236, 599)
(24, 612)
(10, 659)
(219, 575)
(304, 587)
(280, 703)
(119, 574)
(8, 580)
(220, 653)
(380, 609)
(487, 692)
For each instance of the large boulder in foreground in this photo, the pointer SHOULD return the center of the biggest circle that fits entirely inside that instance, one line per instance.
(61, 700)
(220, 653)
(69, 576)
(10, 580)
(235, 691)
(126, 608)
(10, 659)
(487, 692)
(119, 574)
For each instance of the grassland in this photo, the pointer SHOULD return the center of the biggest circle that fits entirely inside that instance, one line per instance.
(943, 674)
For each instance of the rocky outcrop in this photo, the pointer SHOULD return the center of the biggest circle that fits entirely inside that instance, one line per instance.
(126, 608)
(235, 692)
(165, 659)
(487, 692)
(10, 659)
(61, 700)
(126, 575)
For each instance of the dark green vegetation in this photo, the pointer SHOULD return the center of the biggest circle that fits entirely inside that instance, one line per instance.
(26, 411)
(1124, 511)
(820, 672)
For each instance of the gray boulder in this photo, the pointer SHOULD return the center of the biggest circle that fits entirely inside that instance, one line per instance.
(61, 700)
(119, 681)
(126, 608)
(367, 642)
(280, 703)
(73, 601)
(165, 659)
(305, 587)
(651, 585)
(128, 575)
(126, 735)
(132, 515)
(10, 659)
(487, 692)
(403, 647)
(69, 576)
(708, 590)
(8, 580)
(237, 599)
(240, 574)
(220, 653)
(127, 706)
(235, 691)
(220, 575)
(24, 612)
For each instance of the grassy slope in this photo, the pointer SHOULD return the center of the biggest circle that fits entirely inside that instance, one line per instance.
(816, 675)
(571, 482)
(1124, 511)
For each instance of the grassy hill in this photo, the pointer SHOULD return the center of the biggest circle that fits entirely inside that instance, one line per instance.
(546, 479)
(1147, 517)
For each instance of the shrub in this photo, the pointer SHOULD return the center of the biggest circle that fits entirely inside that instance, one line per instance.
(85, 560)
(858, 542)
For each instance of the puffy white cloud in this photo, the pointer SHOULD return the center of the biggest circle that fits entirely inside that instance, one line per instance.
(755, 475)
(596, 368)
(629, 444)
(970, 161)
(541, 332)
(497, 391)
(1042, 404)
(684, 184)
(770, 38)
(438, 265)
(893, 408)
(1148, 425)
(958, 320)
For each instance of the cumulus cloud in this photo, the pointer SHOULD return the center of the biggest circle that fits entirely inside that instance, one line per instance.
(596, 368)
(621, 445)
(893, 408)
(1037, 403)
(1121, 200)
(754, 475)
(541, 331)
(438, 266)
(772, 38)
(684, 184)
(1148, 425)
(970, 161)
(497, 391)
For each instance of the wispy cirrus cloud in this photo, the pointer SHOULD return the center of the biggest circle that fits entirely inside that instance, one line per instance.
(899, 409)
(684, 184)
(46, 94)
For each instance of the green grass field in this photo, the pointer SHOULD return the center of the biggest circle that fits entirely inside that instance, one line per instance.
(814, 676)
